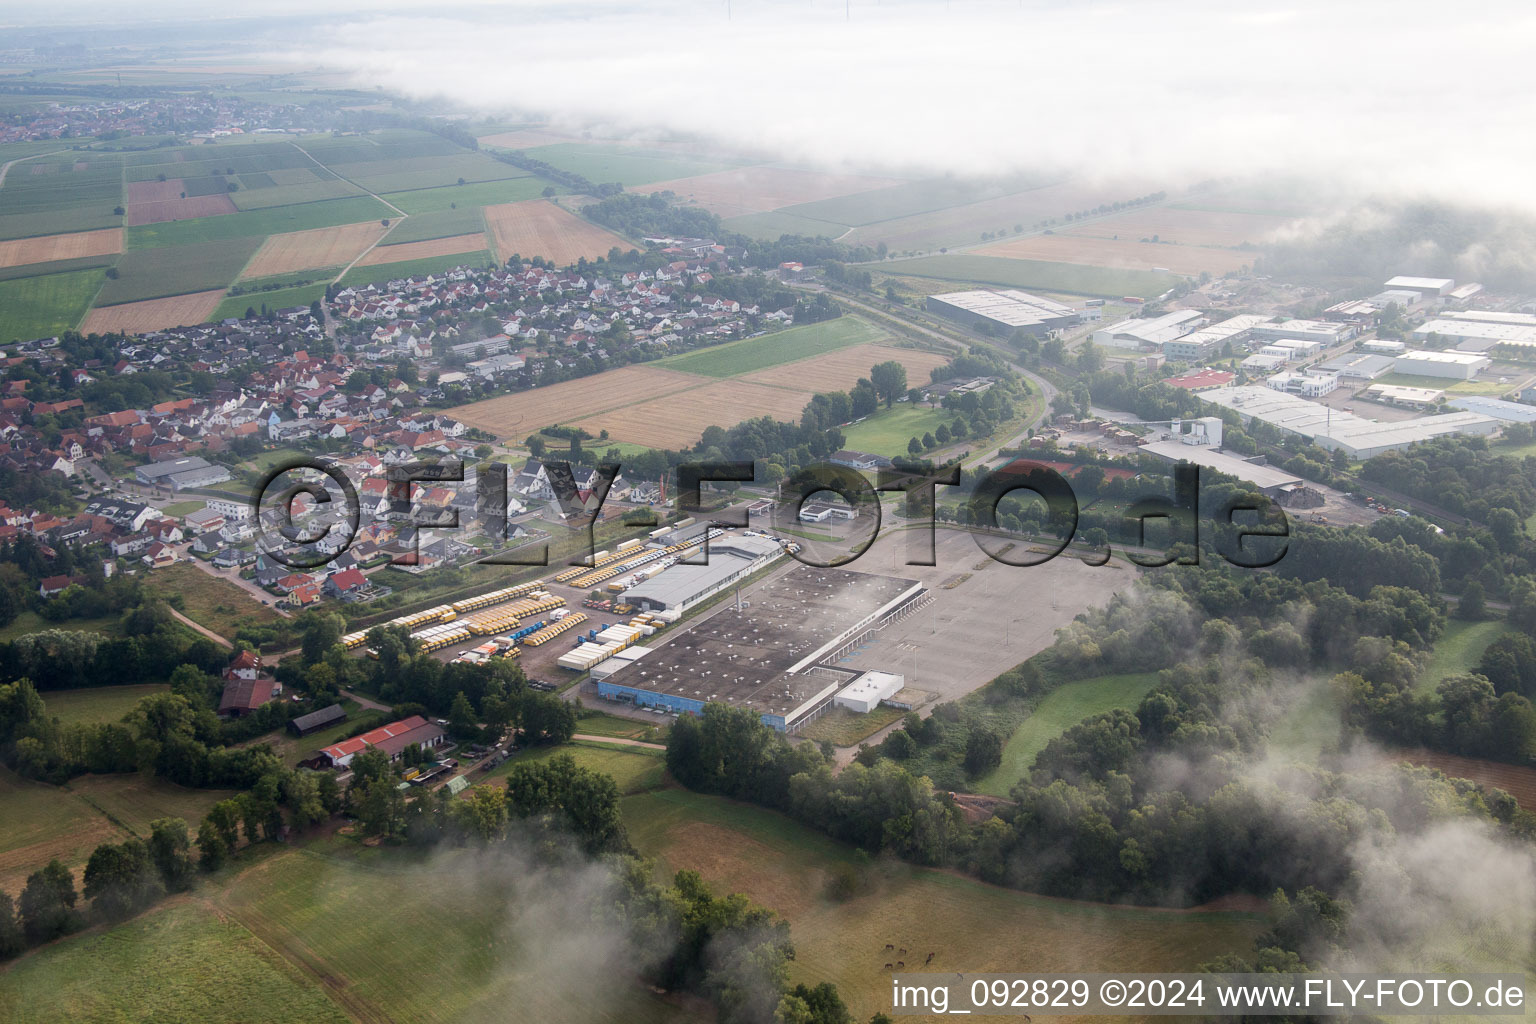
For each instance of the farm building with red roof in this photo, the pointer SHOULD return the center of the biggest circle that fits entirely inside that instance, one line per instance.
(391, 739)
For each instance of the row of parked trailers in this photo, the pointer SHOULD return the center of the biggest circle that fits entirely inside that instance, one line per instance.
(554, 629)
(671, 553)
(605, 644)
(494, 612)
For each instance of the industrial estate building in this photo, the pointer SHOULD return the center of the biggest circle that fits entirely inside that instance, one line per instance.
(1150, 331)
(181, 473)
(775, 654)
(1332, 429)
(1007, 310)
(1266, 478)
(1198, 346)
(1498, 408)
(731, 558)
(1456, 365)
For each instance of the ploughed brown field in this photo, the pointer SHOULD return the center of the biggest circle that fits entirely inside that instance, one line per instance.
(311, 250)
(46, 248)
(420, 250)
(758, 189)
(1123, 254)
(537, 227)
(179, 209)
(1516, 780)
(153, 314)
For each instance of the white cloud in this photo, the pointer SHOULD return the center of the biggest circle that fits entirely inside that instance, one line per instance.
(1409, 97)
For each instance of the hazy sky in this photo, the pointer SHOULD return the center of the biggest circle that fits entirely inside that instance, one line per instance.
(1408, 95)
(1403, 96)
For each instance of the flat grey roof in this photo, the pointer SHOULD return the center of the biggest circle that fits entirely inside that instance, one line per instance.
(743, 658)
(1264, 477)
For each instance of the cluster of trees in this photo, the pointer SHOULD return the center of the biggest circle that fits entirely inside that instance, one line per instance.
(570, 179)
(1462, 475)
(119, 879)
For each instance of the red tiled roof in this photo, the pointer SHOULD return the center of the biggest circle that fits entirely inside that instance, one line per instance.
(372, 739)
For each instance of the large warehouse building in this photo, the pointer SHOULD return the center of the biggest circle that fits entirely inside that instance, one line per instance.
(1456, 365)
(1151, 332)
(1007, 310)
(767, 653)
(1334, 429)
(731, 558)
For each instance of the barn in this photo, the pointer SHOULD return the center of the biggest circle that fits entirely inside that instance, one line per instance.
(317, 720)
(391, 739)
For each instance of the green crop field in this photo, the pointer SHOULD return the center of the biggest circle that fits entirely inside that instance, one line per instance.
(738, 357)
(132, 801)
(906, 200)
(480, 193)
(624, 164)
(410, 268)
(97, 703)
(293, 195)
(257, 223)
(55, 222)
(57, 267)
(888, 431)
(1061, 709)
(459, 939)
(1459, 649)
(436, 224)
(302, 295)
(774, 223)
(426, 171)
(209, 601)
(157, 968)
(48, 184)
(43, 822)
(967, 925)
(177, 270)
(1038, 275)
(40, 307)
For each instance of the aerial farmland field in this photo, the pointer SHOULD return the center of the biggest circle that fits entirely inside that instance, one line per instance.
(1123, 253)
(470, 194)
(742, 190)
(152, 964)
(1036, 275)
(518, 415)
(42, 306)
(453, 245)
(841, 369)
(309, 250)
(153, 314)
(420, 227)
(630, 165)
(968, 925)
(50, 248)
(259, 223)
(177, 269)
(540, 228)
(749, 354)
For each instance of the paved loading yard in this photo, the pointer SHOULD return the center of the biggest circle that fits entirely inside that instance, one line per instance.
(995, 617)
